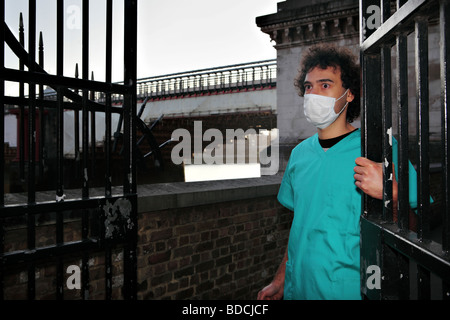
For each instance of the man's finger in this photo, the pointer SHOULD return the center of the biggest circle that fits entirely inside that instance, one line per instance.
(363, 162)
(359, 169)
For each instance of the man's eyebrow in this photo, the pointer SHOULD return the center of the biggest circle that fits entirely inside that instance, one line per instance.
(319, 81)
(325, 80)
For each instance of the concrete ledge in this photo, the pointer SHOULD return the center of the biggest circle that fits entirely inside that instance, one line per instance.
(163, 196)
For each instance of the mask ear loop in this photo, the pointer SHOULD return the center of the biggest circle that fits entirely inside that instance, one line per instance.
(342, 95)
(342, 110)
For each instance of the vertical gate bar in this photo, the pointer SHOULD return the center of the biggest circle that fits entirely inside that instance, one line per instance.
(60, 186)
(21, 106)
(32, 102)
(31, 232)
(108, 133)
(444, 25)
(85, 213)
(41, 63)
(60, 134)
(85, 119)
(421, 53)
(76, 126)
(60, 106)
(60, 145)
(423, 283)
(130, 97)
(130, 45)
(41, 111)
(2, 114)
(371, 126)
(108, 79)
(2, 141)
(403, 142)
(386, 102)
(60, 265)
(403, 158)
(93, 143)
(60, 101)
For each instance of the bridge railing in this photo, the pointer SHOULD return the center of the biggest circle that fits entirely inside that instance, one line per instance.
(255, 75)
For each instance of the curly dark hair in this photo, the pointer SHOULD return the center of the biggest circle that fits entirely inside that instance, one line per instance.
(324, 56)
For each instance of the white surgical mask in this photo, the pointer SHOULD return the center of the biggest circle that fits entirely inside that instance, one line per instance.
(319, 110)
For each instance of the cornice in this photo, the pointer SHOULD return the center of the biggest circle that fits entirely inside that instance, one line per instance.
(317, 27)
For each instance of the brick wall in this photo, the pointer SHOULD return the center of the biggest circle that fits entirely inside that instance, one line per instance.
(226, 250)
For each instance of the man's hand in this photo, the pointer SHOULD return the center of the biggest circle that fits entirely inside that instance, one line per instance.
(274, 291)
(369, 177)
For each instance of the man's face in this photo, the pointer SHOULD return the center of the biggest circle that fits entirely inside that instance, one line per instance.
(327, 82)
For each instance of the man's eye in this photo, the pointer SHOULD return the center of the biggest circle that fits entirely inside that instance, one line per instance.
(325, 85)
(307, 87)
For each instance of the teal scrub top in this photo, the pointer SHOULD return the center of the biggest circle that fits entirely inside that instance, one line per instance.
(324, 249)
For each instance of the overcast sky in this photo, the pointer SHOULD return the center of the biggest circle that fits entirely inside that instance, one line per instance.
(173, 35)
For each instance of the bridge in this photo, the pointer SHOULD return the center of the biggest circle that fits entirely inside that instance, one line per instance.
(251, 86)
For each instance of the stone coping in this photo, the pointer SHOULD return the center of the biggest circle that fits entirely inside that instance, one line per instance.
(162, 196)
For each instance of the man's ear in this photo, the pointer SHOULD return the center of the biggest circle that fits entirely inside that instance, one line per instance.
(350, 96)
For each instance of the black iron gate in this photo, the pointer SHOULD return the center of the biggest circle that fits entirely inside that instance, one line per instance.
(103, 225)
(411, 263)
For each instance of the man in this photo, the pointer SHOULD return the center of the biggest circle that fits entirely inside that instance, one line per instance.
(322, 185)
